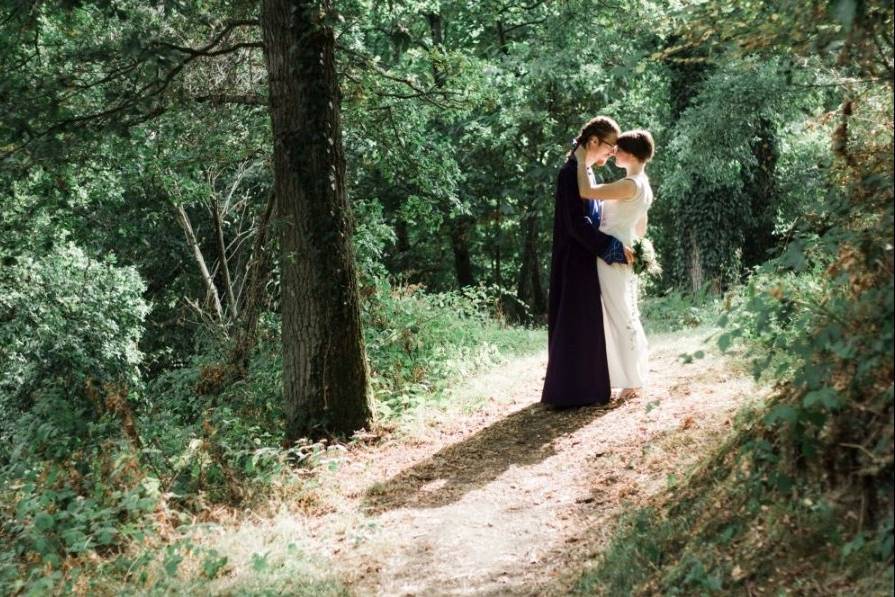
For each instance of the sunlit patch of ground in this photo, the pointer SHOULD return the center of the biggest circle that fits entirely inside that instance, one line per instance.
(489, 493)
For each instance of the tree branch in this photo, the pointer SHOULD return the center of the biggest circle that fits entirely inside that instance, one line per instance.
(151, 89)
(184, 221)
(420, 93)
(202, 52)
(217, 39)
(225, 98)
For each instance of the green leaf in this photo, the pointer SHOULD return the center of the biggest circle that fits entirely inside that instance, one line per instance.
(854, 545)
(826, 397)
(259, 562)
(794, 257)
(44, 521)
(172, 561)
(75, 540)
(106, 535)
(724, 342)
(213, 564)
(782, 413)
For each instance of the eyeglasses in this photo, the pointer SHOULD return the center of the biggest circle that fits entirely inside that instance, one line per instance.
(609, 145)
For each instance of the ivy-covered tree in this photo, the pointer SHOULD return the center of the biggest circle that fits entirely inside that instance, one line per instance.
(324, 363)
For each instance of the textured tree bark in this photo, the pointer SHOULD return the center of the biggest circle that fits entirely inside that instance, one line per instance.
(325, 380)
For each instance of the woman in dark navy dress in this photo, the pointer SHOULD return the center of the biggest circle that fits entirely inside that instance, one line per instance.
(577, 369)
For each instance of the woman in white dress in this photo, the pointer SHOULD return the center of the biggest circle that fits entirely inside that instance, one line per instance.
(624, 208)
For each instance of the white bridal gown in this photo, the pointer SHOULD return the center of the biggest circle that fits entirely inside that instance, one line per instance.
(626, 345)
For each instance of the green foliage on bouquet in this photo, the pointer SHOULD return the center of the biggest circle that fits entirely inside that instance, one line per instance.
(645, 259)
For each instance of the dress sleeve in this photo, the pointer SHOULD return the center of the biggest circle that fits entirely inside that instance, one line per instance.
(576, 222)
(614, 253)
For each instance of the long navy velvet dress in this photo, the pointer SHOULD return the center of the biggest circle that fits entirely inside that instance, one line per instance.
(577, 370)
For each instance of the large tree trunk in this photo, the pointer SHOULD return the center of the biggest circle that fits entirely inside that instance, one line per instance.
(325, 381)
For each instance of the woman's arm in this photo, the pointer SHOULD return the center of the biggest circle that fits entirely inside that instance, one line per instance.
(615, 191)
(640, 228)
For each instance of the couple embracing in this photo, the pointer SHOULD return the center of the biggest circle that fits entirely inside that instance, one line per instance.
(596, 341)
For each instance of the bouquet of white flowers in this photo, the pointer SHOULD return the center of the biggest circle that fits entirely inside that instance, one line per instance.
(645, 260)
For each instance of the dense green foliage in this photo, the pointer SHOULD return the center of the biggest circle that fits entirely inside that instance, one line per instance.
(800, 496)
(135, 177)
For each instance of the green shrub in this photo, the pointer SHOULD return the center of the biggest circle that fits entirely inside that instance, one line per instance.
(417, 342)
(66, 321)
(70, 473)
(676, 311)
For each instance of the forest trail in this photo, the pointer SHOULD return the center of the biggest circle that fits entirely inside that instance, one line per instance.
(493, 494)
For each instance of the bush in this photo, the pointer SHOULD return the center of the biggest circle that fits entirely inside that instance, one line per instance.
(71, 477)
(223, 448)
(676, 311)
(418, 342)
(66, 321)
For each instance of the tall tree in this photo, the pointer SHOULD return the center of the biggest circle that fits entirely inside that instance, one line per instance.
(461, 225)
(325, 380)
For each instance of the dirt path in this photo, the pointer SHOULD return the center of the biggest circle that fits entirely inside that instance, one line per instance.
(496, 495)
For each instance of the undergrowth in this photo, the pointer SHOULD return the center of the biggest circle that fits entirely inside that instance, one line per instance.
(800, 496)
(101, 469)
(738, 526)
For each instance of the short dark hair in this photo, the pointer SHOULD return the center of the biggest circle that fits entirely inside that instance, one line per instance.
(599, 126)
(638, 143)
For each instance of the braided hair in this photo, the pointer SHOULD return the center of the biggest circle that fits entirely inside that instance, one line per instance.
(599, 126)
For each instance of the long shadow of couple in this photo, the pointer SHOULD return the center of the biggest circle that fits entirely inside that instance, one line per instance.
(525, 437)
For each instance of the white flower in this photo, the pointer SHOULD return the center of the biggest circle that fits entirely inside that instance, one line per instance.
(645, 260)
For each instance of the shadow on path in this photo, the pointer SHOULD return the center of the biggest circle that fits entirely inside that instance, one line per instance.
(523, 438)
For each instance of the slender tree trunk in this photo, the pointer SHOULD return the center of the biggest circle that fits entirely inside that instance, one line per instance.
(460, 226)
(529, 289)
(498, 275)
(686, 71)
(760, 188)
(436, 28)
(325, 381)
(211, 290)
(256, 275)
(695, 267)
(222, 256)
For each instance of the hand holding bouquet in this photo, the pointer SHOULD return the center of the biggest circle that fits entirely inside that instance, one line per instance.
(645, 260)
